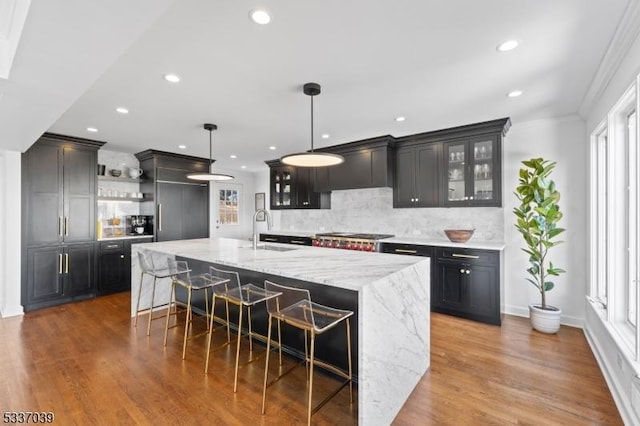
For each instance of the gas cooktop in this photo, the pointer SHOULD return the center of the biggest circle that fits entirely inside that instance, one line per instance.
(353, 235)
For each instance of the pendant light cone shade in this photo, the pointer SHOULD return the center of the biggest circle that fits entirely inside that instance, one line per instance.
(311, 158)
(209, 176)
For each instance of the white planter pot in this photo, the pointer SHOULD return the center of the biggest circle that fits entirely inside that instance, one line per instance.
(545, 320)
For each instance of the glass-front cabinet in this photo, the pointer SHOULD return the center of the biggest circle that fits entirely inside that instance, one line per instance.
(281, 181)
(472, 172)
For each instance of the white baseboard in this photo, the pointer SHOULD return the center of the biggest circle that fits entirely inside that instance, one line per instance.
(11, 311)
(628, 417)
(519, 311)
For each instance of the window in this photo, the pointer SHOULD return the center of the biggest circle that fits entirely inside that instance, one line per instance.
(615, 219)
(228, 208)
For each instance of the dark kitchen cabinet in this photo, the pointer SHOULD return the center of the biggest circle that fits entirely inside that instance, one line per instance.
(467, 284)
(367, 164)
(59, 184)
(181, 205)
(473, 172)
(292, 188)
(58, 274)
(58, 230)
(417, 181)
(286, 239)
(114, 265)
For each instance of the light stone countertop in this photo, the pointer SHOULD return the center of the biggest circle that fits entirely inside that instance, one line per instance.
(424, 241)
(339, 268)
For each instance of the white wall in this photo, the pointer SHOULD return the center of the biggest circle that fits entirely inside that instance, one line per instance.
(562, 140)
(10, 226)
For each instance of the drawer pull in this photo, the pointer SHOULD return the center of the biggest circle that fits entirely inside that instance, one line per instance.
(406, 251)
(271, 239)
(112, 246)
(466, 256)
(297, 242)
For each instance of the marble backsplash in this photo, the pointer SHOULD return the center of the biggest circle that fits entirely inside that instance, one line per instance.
(371, 211)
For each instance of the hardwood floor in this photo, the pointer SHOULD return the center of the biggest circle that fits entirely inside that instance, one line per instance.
(88, 364)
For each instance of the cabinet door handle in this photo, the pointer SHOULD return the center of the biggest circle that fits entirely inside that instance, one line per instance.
(66, 263)
(60, 264)
(406, 251)
(471, 198)
(466, 256)
(66, 226)
(462, 271)
(122, 256)
(468, 271)
(60, 226)
(417, 200)
(159, 217)
(297, 242)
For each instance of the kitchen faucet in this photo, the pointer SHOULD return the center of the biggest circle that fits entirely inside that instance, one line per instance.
(255, 221)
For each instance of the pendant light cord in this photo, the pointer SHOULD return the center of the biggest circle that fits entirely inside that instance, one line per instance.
(311, 123)
(210, 151)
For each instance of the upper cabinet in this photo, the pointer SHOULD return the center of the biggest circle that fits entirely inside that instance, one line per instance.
(473, 172)
(180, 205)
(292, 188)
(457, 167)
(367, 164)
(59, 184)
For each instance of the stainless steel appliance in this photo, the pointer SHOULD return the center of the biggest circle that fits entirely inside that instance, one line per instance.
(349, 241)
(139, 224)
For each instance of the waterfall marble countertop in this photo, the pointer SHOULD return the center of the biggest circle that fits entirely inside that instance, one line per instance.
(339, 268)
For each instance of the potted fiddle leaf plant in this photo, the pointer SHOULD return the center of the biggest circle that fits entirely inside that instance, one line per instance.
(537, 220)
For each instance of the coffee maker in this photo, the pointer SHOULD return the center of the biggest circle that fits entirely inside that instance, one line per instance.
(139, 224)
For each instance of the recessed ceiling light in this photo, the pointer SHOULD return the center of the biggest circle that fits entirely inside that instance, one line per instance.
(172, 78)
(92, 129)
(122, 110)
(507, 46)
(326, 136)
(260, 16)
(243, 167)
(272, 148)
(233, 156)
(399, 119)
(182, 146)
(514, 94)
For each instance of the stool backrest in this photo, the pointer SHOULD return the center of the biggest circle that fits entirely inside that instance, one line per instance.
(146, 264)
(290, 296)
(179, 270)
(232, 276)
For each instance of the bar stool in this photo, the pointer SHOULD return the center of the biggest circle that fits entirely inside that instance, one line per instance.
(231, 291)
(147, 268)
(182, 277)
(294, 307)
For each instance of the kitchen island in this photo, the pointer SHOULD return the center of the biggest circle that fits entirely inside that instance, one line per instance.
(391, 294)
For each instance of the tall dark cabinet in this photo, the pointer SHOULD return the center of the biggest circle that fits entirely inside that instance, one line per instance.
(58, 229)
(180, 205)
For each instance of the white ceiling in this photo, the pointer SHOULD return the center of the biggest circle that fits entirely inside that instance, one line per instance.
(434, 62)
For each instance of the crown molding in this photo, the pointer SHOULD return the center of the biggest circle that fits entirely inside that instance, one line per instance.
(626, 33)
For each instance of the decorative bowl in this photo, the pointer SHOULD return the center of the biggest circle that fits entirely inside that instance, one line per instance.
(115, 173)
(459, 235)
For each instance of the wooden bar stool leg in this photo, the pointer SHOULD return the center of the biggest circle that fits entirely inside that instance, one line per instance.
(349, 361)
(153, 295)
(266, 364)
(313, 339)
(250, 331)
(135, 322)
(187, 325)
(235, 380)
(172, 299)
(211, 325)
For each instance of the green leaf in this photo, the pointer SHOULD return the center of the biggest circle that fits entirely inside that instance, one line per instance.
(548, 285)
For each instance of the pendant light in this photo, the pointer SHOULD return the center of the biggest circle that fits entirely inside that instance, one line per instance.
(311, 158)
(210, 176)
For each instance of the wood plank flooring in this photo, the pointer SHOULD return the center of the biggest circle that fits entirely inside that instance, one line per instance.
(88, 364)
